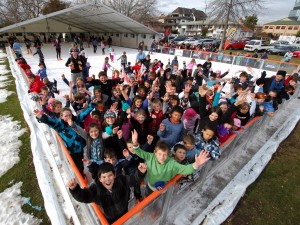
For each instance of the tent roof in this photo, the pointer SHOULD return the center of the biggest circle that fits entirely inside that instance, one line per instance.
(94, 18)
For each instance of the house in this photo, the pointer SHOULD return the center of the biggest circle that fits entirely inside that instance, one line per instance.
(215, 29)
(288, 26)
(181, 15)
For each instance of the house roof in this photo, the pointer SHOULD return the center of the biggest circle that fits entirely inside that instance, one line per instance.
(94, 18)
(246, 29)
(285, 21)
(197, 13)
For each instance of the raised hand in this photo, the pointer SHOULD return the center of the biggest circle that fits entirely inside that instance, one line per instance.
(37, 113)
(200, 159)
(115, 130)
(134, 137)
(86, 161)
(72, 184)
(71, 84)
(120, 134)
(142, 167)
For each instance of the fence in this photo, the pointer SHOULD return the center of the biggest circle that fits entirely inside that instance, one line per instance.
(234, 60)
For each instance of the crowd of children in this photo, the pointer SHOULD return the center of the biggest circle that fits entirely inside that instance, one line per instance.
(168, 116)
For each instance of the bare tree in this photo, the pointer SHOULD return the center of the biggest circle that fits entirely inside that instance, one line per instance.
(232, 10)
(139, 10)
(17, 11)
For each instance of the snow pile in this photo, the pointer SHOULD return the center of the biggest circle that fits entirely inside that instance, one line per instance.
(10, 210)
(10, 200)
(2, 55)
(9, 133)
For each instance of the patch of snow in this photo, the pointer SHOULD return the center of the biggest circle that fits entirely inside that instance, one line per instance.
(3, 70)
(9, 133)
(10, 211)
(2, 55)
(4, 94)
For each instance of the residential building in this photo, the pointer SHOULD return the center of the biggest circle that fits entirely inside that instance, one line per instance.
(287, 26)
(215, 29)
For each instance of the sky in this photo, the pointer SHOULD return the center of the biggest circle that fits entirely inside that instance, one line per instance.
(275, 9)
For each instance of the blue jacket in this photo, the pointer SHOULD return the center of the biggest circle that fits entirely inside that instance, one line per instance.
(42, 73)
(212, 146)
(172, 134)
(73, 141)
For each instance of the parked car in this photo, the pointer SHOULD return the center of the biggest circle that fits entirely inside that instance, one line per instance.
(280, 43)
(239, 44)
(178, 39)
(281, 50)
(296, 54)
(204, 42)
(257, 45)
(189, 40)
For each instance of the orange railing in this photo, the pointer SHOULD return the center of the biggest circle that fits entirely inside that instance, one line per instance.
(81, 180)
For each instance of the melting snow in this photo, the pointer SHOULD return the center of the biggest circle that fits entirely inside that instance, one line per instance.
(10, 211)
(9, 133)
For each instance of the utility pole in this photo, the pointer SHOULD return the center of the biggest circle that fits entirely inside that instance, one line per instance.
(226, 25)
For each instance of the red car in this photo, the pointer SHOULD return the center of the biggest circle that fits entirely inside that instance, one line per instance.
(236, 45)
(296, 54)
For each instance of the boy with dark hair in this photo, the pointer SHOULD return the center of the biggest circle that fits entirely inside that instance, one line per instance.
(109, 191)
(35, 84)
(171, 129)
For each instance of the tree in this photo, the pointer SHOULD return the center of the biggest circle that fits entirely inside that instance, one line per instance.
(16, 11)
(231, 10)
(204, 31)
(54, 5)
(251, 21)
(139, 10)
(298, 34)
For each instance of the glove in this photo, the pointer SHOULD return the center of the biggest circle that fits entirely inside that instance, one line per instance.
(109, 130)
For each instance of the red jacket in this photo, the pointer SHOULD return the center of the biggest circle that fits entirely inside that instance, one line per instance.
(36, 85)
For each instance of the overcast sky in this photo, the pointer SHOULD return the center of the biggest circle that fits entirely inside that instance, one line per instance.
(275, 9)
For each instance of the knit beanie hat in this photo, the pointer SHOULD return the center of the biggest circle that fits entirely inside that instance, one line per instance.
(189, 113)
(109, 114)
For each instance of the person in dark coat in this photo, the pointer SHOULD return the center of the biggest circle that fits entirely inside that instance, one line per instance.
(109, 191)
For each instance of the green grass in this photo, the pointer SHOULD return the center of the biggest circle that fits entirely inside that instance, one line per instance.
(275, 197)
(24, 171)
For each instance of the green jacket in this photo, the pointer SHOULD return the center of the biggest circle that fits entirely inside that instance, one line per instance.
(162, 172)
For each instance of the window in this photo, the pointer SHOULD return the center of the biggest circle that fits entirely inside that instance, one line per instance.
(266, 27)
(143, 36)
(271, 27)
(296, 27)
(117, 35)
(132, 35)
(125, 35)
(282, 27)
(152, 36)
(277, 27)
(290, 28)
(112, 34)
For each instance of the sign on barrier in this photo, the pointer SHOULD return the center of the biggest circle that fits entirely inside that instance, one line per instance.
(179, 52)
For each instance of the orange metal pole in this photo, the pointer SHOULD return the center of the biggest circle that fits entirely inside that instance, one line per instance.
(82, 182)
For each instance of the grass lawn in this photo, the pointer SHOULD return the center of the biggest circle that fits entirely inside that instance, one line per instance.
(24, 171)
(275, 197)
